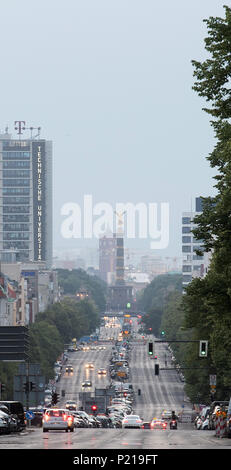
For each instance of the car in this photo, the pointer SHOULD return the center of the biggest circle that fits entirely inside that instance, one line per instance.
(102, 371)
(166, 414)
(17, 411)
(11, 419)
(71, 405)
(158, 424)
(89, 365)
(58, 419)
(86, 419)
(131, 421)
(4, 423)
(69, 368)
(146, 425)
(205, 424)
(87, 383)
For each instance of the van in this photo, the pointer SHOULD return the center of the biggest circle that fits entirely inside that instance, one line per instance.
(16, 409)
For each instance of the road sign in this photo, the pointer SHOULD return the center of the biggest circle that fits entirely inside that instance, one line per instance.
(29, 415)
(212, 380)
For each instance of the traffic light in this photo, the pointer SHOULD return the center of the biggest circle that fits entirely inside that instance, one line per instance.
(150, 349)
(94, 409)
(55, 398)
(156, 369)
(203, 348)
(26, 387)
(32, 386)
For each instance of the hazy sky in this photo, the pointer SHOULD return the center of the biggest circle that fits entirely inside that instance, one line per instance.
(110, 83)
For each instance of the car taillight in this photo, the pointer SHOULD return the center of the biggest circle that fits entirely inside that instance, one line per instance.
(46, 417)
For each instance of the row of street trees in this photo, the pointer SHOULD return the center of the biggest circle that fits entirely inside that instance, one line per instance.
(204, 310)
(53, 329)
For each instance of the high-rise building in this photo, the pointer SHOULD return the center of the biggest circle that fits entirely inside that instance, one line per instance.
(26, 197)
(193, 265)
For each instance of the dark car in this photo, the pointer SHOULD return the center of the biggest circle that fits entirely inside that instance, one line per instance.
(146, 425)
(16, 411)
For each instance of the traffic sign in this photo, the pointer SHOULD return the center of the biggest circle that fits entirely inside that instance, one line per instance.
(29, 415)
(212, 380)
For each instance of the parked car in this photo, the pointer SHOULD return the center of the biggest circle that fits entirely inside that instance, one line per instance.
(205, 424)
(17, 411)
(4, 423)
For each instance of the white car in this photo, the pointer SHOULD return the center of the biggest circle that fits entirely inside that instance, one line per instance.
(58, 419)
(205, 424)
(131, 421)
(71, 405)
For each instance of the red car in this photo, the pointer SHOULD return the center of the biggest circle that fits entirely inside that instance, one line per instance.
(158, 424)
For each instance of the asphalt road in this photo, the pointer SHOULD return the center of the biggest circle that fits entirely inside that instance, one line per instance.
(157, 393)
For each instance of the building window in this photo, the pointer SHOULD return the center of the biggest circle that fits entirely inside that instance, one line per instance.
(187, 278)
(16, 173)
(15, 155)
(16, 210)
(16, 218)
(186, 229)
(197, 267)
(16, 200)
(186, 249)
(16, 182)
(187, 269)
(16, 164)
(186, 239)
(16, 227)
(8, 191)
(186, 220)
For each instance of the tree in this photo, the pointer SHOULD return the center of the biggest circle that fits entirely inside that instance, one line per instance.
(153, 299)
(213, 75)
(72, 281)
(207, 302)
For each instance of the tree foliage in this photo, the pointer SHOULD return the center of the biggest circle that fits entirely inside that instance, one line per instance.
(207, 302)
(76, 279)
(56, 327)
(154, 297)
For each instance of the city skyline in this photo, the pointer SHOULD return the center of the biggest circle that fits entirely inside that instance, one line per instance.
(113, 91)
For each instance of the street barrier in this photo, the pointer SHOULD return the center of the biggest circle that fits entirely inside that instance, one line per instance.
(220, 424)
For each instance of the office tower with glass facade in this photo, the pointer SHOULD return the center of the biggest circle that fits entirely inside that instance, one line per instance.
(193, 265)
(26, 198)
